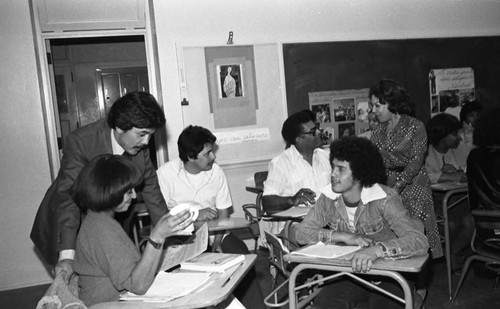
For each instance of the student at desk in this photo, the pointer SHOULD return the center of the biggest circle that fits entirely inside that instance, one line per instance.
(196, 179)
(360, 210)
(296, 175)
(446, 162)
(106, 259)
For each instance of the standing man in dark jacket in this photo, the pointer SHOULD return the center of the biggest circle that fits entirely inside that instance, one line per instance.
(131, 122)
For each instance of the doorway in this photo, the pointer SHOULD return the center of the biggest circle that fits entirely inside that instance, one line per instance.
(90, 74)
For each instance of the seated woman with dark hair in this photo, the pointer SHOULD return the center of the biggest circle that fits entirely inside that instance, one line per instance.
(446, 162)
(447, 155)
(106, 260)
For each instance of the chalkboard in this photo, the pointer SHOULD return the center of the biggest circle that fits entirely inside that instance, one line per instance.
(326, 66)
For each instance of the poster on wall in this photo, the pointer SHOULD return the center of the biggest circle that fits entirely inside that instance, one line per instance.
(449, 89)
(231, 85)
(340, 113)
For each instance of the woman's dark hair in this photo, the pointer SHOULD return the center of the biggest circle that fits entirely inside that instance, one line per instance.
(469, 107)
(440, 126)
(192, 141)
(136, 109)
(392, 93)
(364, 159)
(486, 132)
(102, 183)
(292, 127)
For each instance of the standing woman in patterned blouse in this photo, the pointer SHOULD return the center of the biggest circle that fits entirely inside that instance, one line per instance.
(402, 141)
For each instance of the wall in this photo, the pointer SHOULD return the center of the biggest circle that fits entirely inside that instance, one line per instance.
(24, 168)
(24, 171)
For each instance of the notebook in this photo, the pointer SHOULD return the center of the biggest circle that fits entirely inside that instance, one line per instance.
(322, 250)
(168, 286)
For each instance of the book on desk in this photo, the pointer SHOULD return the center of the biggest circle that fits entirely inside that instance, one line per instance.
(212, 262)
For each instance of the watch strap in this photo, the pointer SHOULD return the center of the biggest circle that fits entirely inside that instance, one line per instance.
(156, 245)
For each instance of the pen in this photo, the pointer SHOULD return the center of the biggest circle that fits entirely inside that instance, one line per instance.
(231, 275)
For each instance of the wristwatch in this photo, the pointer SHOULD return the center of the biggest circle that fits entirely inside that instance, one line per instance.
(156, 245)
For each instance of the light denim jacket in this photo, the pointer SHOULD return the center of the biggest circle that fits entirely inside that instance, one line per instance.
(381, 217)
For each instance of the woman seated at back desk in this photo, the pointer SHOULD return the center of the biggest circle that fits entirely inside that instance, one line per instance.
(106, 260)
(446, 162)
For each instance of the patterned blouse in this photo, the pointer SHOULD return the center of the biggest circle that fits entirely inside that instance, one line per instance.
(404, 151)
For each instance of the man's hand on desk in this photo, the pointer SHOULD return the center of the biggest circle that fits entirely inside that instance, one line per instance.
(207, 214)
(304, 196)
(66, 266)
(363, 259)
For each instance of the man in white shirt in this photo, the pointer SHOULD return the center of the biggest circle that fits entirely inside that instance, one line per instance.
(298, 173)
(196, 179)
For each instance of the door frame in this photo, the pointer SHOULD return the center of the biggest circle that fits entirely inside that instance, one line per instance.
(47, 96)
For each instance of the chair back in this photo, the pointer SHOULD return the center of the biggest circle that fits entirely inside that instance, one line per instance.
(259, 179)
(277, 251)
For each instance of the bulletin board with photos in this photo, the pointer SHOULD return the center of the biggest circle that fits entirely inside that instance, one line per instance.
(450, 88)
(340, 113)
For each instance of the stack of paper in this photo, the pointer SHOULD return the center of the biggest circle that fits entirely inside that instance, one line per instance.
(169, 286)
(326, 251)
(213, 262)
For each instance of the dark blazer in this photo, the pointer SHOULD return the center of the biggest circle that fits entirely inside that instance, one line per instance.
(58, 218)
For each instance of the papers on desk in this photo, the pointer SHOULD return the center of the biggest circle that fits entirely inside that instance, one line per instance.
(168, 286)
(213, 262)
(294, 212)
(322, 250)
(176, 254)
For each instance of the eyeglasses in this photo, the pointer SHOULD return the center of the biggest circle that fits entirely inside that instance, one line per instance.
(313, 132)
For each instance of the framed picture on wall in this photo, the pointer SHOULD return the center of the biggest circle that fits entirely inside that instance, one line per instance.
(347, 129)
(231, 85)
(344, 109)
(230, 81)
(322, 112)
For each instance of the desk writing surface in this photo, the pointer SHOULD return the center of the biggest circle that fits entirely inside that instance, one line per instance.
(226, 224)
(256, 189)
(447, 186)
(293, 212)
(411, 264)
(211, 294)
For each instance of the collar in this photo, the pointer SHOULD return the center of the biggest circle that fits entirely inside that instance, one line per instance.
(368, 194)
(297, 155)
(117, 149)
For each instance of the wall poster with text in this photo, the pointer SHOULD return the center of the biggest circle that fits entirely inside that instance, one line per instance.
(449, 89)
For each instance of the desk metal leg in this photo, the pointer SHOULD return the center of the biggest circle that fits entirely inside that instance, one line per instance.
(447, 244)
(345, 270)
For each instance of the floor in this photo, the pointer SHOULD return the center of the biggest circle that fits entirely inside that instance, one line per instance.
(477, 291)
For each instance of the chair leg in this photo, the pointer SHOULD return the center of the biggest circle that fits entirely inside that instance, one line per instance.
(464, 274)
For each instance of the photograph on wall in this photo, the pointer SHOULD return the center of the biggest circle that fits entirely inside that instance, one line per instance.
(322, 113)
(449, 89)
(347, 129)
(344, 110)
(326, 134)
(363, 108)
(230, 81)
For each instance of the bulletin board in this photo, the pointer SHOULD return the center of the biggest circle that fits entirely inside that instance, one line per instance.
(259, 107)
(334, 66)
(340, 113)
